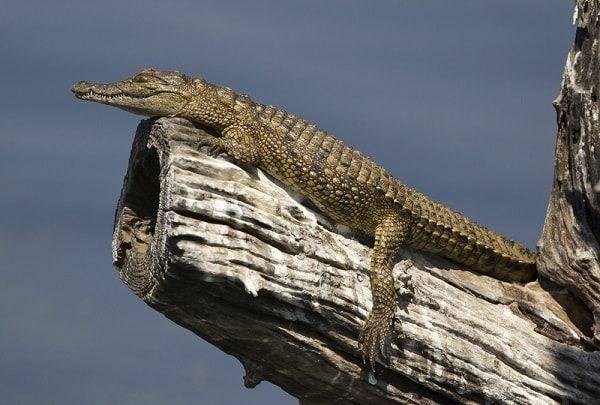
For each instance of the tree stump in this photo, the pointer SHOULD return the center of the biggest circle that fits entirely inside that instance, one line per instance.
(569, 263)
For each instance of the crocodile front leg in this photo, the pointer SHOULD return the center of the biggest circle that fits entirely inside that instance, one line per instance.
(215, 143)
(237, 142)
(390, 234)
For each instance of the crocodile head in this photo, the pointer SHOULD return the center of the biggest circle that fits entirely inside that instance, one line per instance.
(149, 92)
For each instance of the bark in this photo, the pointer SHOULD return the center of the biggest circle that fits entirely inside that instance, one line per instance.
(568, 263)
(228, 253)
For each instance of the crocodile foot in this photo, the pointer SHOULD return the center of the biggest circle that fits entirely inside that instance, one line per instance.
(372, 338)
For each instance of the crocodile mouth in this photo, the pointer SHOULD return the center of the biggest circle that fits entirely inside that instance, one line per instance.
(92, 95)
(85, 92)
(132, 97)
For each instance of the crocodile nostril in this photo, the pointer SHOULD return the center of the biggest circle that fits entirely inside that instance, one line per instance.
(80, 87)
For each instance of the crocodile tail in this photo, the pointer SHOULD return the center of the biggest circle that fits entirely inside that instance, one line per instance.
(443, 231)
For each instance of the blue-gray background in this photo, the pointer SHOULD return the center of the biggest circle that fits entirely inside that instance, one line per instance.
(452, 97)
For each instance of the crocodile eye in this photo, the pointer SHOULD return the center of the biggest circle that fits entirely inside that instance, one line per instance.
(141, 79)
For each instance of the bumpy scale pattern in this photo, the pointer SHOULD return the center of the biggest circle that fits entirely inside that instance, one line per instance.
(437, 228)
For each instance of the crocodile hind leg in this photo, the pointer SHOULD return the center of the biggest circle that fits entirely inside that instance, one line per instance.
(390, 234)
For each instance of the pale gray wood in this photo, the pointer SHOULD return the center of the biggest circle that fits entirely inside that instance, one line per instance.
(231, 255)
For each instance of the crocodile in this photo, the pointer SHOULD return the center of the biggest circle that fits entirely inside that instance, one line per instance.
(342, 182)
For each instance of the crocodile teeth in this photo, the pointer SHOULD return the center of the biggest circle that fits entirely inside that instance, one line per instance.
(104, 97)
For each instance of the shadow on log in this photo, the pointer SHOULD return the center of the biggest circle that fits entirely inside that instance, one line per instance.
(229, 254)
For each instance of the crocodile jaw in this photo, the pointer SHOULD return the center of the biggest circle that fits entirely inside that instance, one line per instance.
(159, 103)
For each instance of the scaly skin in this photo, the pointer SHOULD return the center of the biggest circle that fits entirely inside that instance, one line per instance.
(342, 182)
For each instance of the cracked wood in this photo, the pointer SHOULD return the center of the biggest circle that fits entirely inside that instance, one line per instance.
(231, 255)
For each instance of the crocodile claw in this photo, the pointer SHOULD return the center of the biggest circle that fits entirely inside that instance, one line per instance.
(372, 339)
(215, 145)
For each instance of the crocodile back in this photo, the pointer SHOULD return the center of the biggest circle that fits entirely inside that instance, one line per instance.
(348, 162)
(436, 228)
(364, 187)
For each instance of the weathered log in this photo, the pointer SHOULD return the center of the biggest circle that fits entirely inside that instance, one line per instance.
(569, 264)
(229, 254)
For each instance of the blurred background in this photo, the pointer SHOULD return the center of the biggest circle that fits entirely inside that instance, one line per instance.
(454, 98)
